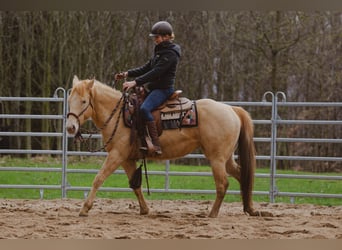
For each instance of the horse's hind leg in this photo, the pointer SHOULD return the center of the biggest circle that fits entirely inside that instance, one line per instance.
(221, 182)
(233, 168)
(108, 167)
(130, 167)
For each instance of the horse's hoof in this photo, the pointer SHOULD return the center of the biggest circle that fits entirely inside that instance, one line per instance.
(260, 213)
(213, 215)
(265, 214)
(144, 212)
(83, 213)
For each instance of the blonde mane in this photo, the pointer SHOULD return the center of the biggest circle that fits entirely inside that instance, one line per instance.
(105, 91)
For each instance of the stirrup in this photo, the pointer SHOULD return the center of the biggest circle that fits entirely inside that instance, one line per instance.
(156, 151)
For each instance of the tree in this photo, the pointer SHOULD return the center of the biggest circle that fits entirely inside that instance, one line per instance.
(226, 55)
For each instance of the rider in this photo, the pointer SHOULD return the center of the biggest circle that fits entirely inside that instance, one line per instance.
(157, 75)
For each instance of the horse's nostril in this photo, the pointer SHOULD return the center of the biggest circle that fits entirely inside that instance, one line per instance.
(71, 129)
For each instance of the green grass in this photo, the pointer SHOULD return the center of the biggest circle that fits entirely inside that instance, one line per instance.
(156, 182)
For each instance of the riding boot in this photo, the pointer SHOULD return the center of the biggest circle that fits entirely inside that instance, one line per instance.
(152, 129)
(153, 132)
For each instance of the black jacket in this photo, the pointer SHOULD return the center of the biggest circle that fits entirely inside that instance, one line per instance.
(160, 71)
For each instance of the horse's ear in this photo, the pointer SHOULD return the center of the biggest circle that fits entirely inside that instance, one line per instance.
(75, 80)
(90, 83)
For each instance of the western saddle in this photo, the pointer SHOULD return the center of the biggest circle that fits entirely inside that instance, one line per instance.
(167, 116)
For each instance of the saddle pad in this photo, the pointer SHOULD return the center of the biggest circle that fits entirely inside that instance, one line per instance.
(184, 118)
(171, 119)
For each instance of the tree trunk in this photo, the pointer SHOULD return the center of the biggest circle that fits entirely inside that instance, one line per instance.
(28, 45)
(18, 80)
(47, 80)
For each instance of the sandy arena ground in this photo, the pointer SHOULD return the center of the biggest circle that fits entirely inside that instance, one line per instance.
(120, 219)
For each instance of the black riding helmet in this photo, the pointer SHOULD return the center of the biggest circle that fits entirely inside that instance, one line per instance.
(161, 28)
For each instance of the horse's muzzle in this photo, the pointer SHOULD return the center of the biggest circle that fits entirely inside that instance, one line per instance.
(71, 130)
(72, 127)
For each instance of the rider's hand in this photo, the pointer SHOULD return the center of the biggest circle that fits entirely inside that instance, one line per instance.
(121, 75)
(128, 85)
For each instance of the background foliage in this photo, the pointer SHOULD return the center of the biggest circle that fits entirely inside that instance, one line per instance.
(227, 56)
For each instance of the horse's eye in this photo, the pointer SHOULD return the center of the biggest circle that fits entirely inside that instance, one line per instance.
(84, 101)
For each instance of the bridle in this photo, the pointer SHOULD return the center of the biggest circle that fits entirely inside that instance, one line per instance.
(78, 135)
(81, 113)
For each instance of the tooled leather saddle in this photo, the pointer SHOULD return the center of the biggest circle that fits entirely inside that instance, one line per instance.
(176, 112)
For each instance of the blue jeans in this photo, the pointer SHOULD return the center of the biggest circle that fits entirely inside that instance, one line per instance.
(154, 99)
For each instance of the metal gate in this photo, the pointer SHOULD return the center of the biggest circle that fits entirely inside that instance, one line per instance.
(276, 101)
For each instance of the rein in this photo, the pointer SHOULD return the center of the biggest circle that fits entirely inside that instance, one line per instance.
(79, 137)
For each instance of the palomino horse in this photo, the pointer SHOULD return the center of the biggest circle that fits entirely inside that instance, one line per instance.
(221, 128)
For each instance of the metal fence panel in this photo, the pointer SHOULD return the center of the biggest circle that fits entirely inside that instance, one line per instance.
(278, 99)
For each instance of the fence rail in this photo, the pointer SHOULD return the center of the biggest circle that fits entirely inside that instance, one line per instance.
(278, 99)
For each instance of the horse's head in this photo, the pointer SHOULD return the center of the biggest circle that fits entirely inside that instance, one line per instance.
(80, 106)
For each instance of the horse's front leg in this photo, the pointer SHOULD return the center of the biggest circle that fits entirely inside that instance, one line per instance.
(110, 164)
(130, 168)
